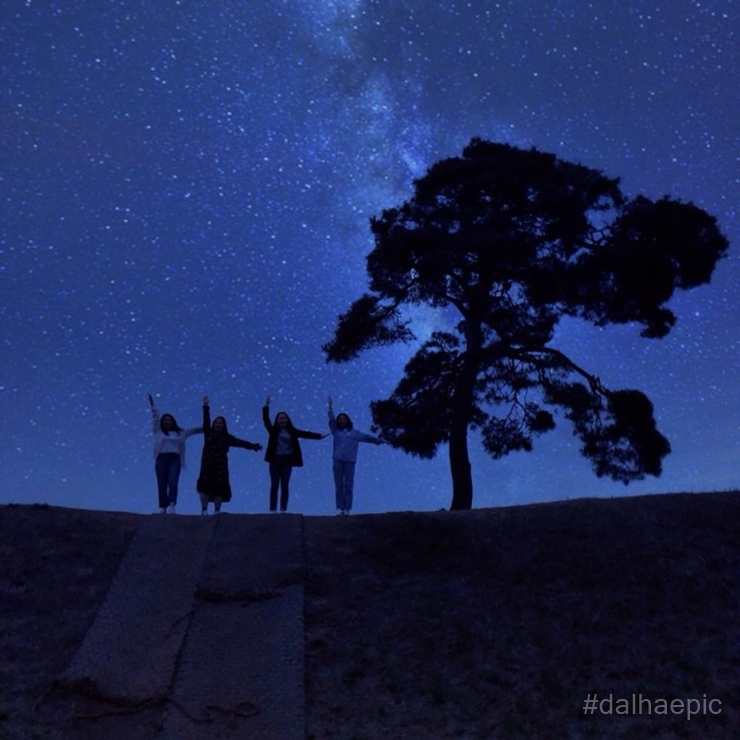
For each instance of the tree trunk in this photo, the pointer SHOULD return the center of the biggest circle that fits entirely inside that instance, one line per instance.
(462, 479)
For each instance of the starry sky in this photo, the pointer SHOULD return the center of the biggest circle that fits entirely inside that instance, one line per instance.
(186, 187)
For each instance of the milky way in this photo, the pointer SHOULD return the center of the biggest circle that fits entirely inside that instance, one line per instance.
(186, 190)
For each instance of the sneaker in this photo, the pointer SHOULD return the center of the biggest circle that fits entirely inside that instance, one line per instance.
(203, 512)
(171, 509)
(163, 510)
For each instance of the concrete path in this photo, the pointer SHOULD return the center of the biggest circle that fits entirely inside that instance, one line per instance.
(242, 666)
(200, 636)
(130, 651)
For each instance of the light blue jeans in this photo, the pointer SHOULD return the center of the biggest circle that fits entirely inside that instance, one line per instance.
(344, 482)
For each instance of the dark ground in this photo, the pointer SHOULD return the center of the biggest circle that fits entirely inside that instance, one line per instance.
(493, 623)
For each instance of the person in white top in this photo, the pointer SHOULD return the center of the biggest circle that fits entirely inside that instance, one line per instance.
(169, 455)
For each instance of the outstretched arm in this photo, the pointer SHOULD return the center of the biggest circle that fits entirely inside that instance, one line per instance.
(303, 434)
(236, 442)
(370, 438)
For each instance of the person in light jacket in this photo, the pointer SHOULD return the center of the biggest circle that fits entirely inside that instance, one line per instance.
(283, 453)
(346, 442)
(169, 455)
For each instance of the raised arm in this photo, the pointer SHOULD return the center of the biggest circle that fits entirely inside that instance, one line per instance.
(206, 415)
(266, 415)
(155, 413)
(332, 420)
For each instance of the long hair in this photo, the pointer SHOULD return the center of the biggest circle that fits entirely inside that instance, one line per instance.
(350, 425)
(175, 426)
(224, 431)
(289, 423)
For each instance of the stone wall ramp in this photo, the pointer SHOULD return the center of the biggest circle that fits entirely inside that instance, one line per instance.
(130, 652)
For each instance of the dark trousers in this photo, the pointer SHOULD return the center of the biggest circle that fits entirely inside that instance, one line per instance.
(167, 468)
(280, 470)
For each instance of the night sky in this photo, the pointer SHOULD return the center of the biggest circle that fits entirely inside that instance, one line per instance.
(186, 188)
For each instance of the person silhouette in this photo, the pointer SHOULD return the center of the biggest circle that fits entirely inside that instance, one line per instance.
(169, 455)
(283, 453)
(213, 482)
(344, 457)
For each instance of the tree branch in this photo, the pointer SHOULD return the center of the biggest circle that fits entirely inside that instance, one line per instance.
(563, 360)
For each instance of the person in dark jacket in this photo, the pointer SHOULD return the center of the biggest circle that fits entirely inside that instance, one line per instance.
(283, 452)
(213, 482)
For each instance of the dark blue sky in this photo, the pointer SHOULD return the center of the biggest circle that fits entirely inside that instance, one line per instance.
(186, 188)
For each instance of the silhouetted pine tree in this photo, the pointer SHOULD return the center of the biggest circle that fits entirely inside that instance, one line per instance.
(509, 241)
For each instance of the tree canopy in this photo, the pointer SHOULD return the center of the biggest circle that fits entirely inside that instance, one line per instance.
(509, 241)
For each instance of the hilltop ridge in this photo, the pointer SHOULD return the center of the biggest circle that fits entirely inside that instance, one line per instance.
(488, 623)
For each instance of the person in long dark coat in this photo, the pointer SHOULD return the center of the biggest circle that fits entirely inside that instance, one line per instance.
(213, 482)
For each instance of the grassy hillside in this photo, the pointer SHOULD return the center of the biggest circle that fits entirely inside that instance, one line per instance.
(483, 624)
(499, 622)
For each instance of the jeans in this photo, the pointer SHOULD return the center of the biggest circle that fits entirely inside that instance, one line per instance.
(344, 483)
(280, 470)
(167, 468)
